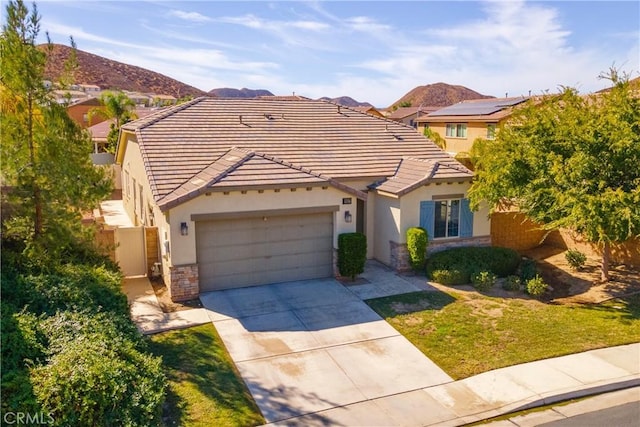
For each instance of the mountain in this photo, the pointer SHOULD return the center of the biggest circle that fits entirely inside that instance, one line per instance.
(437, 95)
(346, 101)
(108, 74)
(227, 92)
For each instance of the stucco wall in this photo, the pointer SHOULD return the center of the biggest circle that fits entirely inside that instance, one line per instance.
(370, 229)
(387, 214)
(183, 248)
(456, 145)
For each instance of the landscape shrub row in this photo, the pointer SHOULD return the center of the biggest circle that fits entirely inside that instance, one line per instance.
(457, 266)
(69, 347)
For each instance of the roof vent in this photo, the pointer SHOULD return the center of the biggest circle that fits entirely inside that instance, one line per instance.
(268, 116)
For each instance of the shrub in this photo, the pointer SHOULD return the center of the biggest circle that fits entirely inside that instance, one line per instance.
(511, 283)
(96, 375)
(352, 254)
(575, 258)
(528, 270)
(417, 241)
(450, 277)
(467, 260)
(536, 286)
(483, 280)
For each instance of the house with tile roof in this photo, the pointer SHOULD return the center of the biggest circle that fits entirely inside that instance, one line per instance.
(254, 191)
(462, 123)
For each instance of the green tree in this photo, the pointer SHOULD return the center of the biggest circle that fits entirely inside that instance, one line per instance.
(570, 161)
(435, 137)
(117, 106)
(46, 162)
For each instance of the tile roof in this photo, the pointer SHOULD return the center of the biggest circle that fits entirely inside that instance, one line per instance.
(413, 173)
(240, 169)
(333, 141)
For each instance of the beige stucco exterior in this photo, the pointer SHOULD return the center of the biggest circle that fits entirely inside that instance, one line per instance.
(395, 215)
(456, 145)
(183, 248)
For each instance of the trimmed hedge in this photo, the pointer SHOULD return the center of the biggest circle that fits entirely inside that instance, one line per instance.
(352, 254)
(417, 241)
(456, 265)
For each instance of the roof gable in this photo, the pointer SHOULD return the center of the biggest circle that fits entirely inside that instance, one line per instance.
(413, 173)
(242, 169)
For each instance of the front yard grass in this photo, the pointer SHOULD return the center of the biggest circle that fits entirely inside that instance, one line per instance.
(204, 387)
(468, 333)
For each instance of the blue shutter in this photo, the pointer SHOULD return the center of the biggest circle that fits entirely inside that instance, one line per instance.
(466, 219)
(427, 216)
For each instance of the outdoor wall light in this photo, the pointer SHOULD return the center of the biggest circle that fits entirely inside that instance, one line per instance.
(347, 216)
(184, 229)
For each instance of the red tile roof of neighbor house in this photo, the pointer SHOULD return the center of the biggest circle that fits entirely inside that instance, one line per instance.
(311, 138)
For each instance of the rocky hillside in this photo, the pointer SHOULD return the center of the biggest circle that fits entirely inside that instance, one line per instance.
(437, 95)
(227, 92)
(346, 101)
(108, 74)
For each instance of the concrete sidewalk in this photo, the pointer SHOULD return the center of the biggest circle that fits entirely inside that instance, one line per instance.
(147, 313)
(493, 393)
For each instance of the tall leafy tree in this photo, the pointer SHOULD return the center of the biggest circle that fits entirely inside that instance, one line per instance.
(570, 161)
(46, 156)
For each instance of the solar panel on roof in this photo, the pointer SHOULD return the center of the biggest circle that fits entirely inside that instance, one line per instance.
(477, 108)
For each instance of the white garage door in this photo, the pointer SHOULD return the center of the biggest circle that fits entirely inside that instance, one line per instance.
(255, 251)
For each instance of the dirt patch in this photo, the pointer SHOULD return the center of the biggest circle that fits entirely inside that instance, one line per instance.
(168, 306)
(405, 307)
(581, 286)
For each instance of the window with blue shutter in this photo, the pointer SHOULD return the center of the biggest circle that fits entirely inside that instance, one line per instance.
(427, 216)
(466, 219)
(446, 218)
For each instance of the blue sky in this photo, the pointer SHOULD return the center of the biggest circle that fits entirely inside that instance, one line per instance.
(373, 51)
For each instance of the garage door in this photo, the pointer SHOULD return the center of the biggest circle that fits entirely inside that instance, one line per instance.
(255, 251)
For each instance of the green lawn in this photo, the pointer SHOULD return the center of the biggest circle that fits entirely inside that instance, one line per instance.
(204, 387)
(468, 333)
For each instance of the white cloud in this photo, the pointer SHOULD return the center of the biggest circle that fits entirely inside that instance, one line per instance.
(189, 16)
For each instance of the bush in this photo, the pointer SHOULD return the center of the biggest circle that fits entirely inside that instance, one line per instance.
(352, 254)
(575, 258)
(96, 375)
(536, 286)
(528, 270)
(483, 280)
(417, 241)
(511, 283)
(468, 260)
(450, 277)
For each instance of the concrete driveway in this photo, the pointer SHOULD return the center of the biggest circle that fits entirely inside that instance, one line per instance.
(308, 346)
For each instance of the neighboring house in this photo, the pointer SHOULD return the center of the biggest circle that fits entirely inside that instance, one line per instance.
(69, 96)
(100, 131)
(140, 99)
(93, 90)
(409, 115)
(462, 123)
(369, 110)
(163, 100)
(79, 112)
(254, 191)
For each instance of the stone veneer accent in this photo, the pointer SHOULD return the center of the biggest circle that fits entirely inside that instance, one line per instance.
(399, 256)
(184, 283)
(400, 253)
